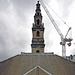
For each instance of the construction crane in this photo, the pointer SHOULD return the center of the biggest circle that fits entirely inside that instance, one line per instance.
(63, 39)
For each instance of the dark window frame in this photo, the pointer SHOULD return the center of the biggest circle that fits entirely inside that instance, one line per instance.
(38, 34)
(38, 21)
(37, 51)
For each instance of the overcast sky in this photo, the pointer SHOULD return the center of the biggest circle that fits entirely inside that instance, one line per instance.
(16, 18)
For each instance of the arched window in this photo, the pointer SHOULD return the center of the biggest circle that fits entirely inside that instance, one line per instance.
(37, 51)
(38, 13)
(38, 34)
(37, 21)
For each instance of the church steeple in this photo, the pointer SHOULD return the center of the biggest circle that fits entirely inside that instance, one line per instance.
(38, 6)
(38, 32)
(38, 15)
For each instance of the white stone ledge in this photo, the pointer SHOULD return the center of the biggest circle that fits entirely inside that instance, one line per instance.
(23, 53)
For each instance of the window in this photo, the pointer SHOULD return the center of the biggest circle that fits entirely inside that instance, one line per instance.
(37, 21)
(38, 33)
(37, 51)
(38, 13)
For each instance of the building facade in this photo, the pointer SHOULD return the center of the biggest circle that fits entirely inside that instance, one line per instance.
(38, 32)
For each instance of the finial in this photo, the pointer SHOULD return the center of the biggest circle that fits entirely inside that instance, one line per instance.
(38, 2)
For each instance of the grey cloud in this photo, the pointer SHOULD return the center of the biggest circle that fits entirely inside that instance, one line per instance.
(23, 6)
(15, 29)
(11, 40)
(65, 5)
(4, 4)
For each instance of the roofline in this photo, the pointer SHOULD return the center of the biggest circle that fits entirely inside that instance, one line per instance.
(9, 58)
(23, 53)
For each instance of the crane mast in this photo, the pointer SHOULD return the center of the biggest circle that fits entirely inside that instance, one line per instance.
(63, 40)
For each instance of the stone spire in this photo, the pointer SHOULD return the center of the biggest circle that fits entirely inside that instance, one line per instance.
(38, 32)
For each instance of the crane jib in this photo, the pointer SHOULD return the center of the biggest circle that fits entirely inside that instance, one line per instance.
(63, 39)
(51, 18)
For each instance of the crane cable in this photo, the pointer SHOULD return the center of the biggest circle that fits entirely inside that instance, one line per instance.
(56, 14)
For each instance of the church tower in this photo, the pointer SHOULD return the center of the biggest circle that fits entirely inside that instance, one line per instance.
(38, 32)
